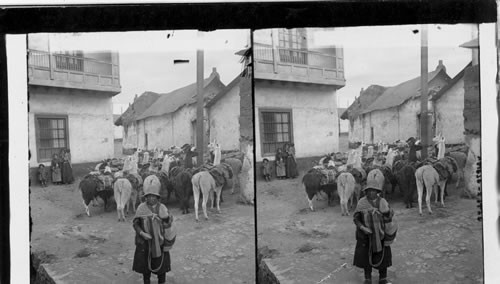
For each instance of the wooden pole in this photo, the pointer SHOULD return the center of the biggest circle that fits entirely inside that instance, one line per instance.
(424, 133)
(199, 109)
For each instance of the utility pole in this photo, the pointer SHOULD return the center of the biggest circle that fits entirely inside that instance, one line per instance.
(424, 133)
(199, 95)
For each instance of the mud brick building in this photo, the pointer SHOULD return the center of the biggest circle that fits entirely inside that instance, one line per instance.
(162, 120)
(295, 93)
(70, 101)
(171, 118)
(472, 116)
(394, 112)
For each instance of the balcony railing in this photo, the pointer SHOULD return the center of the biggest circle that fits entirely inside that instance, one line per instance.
(61, 67)
(297, 62)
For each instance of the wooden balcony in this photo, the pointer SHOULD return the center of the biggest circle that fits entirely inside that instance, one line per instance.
(297, 65)
(65, 71)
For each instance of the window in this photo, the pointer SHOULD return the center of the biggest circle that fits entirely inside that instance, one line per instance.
(276, 130)
(290, 44)
(52, 136)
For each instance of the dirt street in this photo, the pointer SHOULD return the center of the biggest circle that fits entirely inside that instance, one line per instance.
(99, 249)
(318, 247)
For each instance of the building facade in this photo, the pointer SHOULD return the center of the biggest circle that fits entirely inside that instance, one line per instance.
(472, 116)
(448, 107)
(295, 93)
(70, 102)
(164, 120)
(224, 114)
(395, 113)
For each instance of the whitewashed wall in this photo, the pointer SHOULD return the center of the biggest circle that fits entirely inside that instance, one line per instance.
(130, 136)
(449, 111)
(314, 115)
(90, 121)
(224, 120)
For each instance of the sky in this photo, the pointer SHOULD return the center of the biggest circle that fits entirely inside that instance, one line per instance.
(382, 55)
(389, 55)
(146, 57)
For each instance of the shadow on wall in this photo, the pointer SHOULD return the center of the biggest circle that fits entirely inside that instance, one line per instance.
(303, 165)
(79, 170)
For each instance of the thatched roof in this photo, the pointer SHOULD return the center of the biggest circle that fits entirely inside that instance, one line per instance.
(171, 102)
(471, 44)
(457, 78)
(236, 81)
(365, 99)
(398, 95)
(139, 105)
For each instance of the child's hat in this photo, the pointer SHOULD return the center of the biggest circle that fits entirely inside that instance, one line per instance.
(372, 184)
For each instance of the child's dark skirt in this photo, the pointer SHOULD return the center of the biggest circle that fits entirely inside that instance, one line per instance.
(361, 254)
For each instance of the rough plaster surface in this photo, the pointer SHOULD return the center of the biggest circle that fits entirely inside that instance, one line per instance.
(90, 121)
(314, 115)
(223, 119)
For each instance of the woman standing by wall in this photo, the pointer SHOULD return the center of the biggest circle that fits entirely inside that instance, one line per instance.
(56, 170)
(280, 164)
(67, 170)
(291, 164)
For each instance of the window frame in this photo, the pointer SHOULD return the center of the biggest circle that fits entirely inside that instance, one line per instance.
(261, 127)
(37, 133)
(292, 45)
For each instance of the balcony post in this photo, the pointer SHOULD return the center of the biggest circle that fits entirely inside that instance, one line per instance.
(275, 51)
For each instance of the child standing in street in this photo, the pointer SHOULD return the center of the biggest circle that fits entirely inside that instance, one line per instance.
(266, 169)
(280, 165)
(56, 170)
(42, 175)
(154, 238)
(375, 232)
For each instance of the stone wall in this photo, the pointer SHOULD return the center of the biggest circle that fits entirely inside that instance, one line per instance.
(246, 140)
(472, 100)
(472, 125)
(303, 165)
(246, 114)
(79, 170)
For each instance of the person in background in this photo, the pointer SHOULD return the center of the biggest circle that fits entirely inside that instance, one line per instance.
(280, 164)
(61, 164)
(291, 164)
(211, 153)
(152, 251)
(412, 155)
(189, 154)
(56, 170)
(266, 169)
(67, 171)
(375, 232)
(42, 175)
